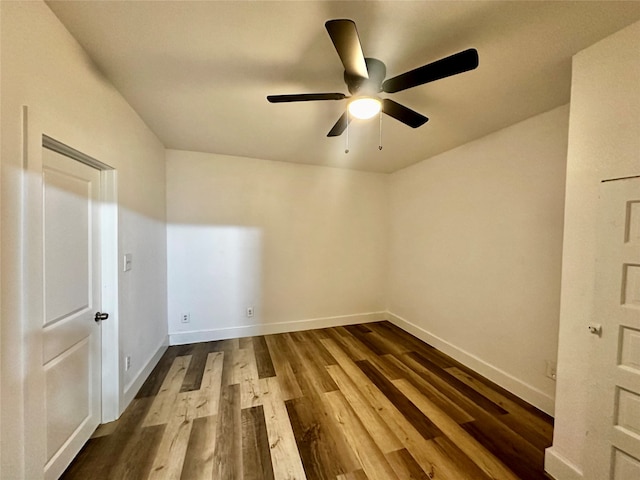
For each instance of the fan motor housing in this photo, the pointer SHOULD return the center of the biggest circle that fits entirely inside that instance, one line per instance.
(367, 86)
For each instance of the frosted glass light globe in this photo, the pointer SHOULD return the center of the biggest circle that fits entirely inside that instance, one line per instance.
(364, 108)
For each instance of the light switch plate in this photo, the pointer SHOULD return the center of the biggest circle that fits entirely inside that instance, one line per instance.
(126, 264)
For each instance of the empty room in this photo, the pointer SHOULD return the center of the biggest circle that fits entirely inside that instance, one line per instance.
(346, 240)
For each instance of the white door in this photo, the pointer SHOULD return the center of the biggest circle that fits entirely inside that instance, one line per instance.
(614, 420)
(71, 336)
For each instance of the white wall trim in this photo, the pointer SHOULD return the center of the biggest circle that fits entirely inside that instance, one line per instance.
(111, 397)
(559, 467)
(131, 389)
(523, 390)
(180, 338)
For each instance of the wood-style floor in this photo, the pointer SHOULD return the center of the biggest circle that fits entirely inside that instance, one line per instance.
(348, 403)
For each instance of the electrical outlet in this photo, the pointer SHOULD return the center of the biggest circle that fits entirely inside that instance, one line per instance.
(127, 362)
(249, 312)
(551, 369)
(185, 318)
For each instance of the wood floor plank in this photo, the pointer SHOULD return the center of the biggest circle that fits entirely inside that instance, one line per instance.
(152, 384)
(246, 372)
(288, 383)
(227, 456)
(282, 443)
(472, 394)
(105, 429)
(535, 426)
(357, 475)
(325, 433)
(206, 399)
(386, 346)
(360, 327)
(398, 335)
(317, 351)
(526, 430)
(470, 468)
(365, 340)
(426, 428)
(347, 345)
(322, 333)
(306, 366)
(457, 397)
(237, 356)
(138, 455)
(120, 452)
(256, 454)
(163, 402)
(193, 376)
(198, 461)
(227, 366)
(515, 452)
(169, 458)
(224, 345)
(263, 358)
(87, 462)
(284, 373)
(320, 457)
(435, 357)
(388, 368)
(346, 362)
(123, 444)
(379, 431)
(373, 461)
(443, 402)
(405, 465)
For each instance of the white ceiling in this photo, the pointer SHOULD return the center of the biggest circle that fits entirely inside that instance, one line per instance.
(198, 72)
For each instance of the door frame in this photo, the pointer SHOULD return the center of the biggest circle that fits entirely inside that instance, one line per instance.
(39, 131)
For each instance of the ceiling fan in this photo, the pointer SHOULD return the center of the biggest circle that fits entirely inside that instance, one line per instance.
(365, 79)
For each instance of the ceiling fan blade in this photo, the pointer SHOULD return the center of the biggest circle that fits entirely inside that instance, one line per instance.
(403, 114)
(305, 97)
(345, 38)
(445, 67)
(340, 125)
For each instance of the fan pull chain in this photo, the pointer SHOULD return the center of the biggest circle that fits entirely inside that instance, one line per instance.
(346, 150)
(380, 143)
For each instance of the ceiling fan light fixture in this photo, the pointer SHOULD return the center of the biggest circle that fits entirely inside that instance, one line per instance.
(365, 107)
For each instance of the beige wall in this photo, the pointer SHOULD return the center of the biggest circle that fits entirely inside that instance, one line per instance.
(304, 245)
(475, 252)
(45, 69)
(604, 143)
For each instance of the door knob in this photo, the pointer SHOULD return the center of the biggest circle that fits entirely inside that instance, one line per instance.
(101, 316)
(595, 329)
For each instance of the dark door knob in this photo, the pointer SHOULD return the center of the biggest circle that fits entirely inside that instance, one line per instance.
(101, 316)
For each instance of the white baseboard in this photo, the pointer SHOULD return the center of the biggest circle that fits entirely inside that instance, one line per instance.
(180, 338)
(134, 386)
(527, 392)
(559, 467)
